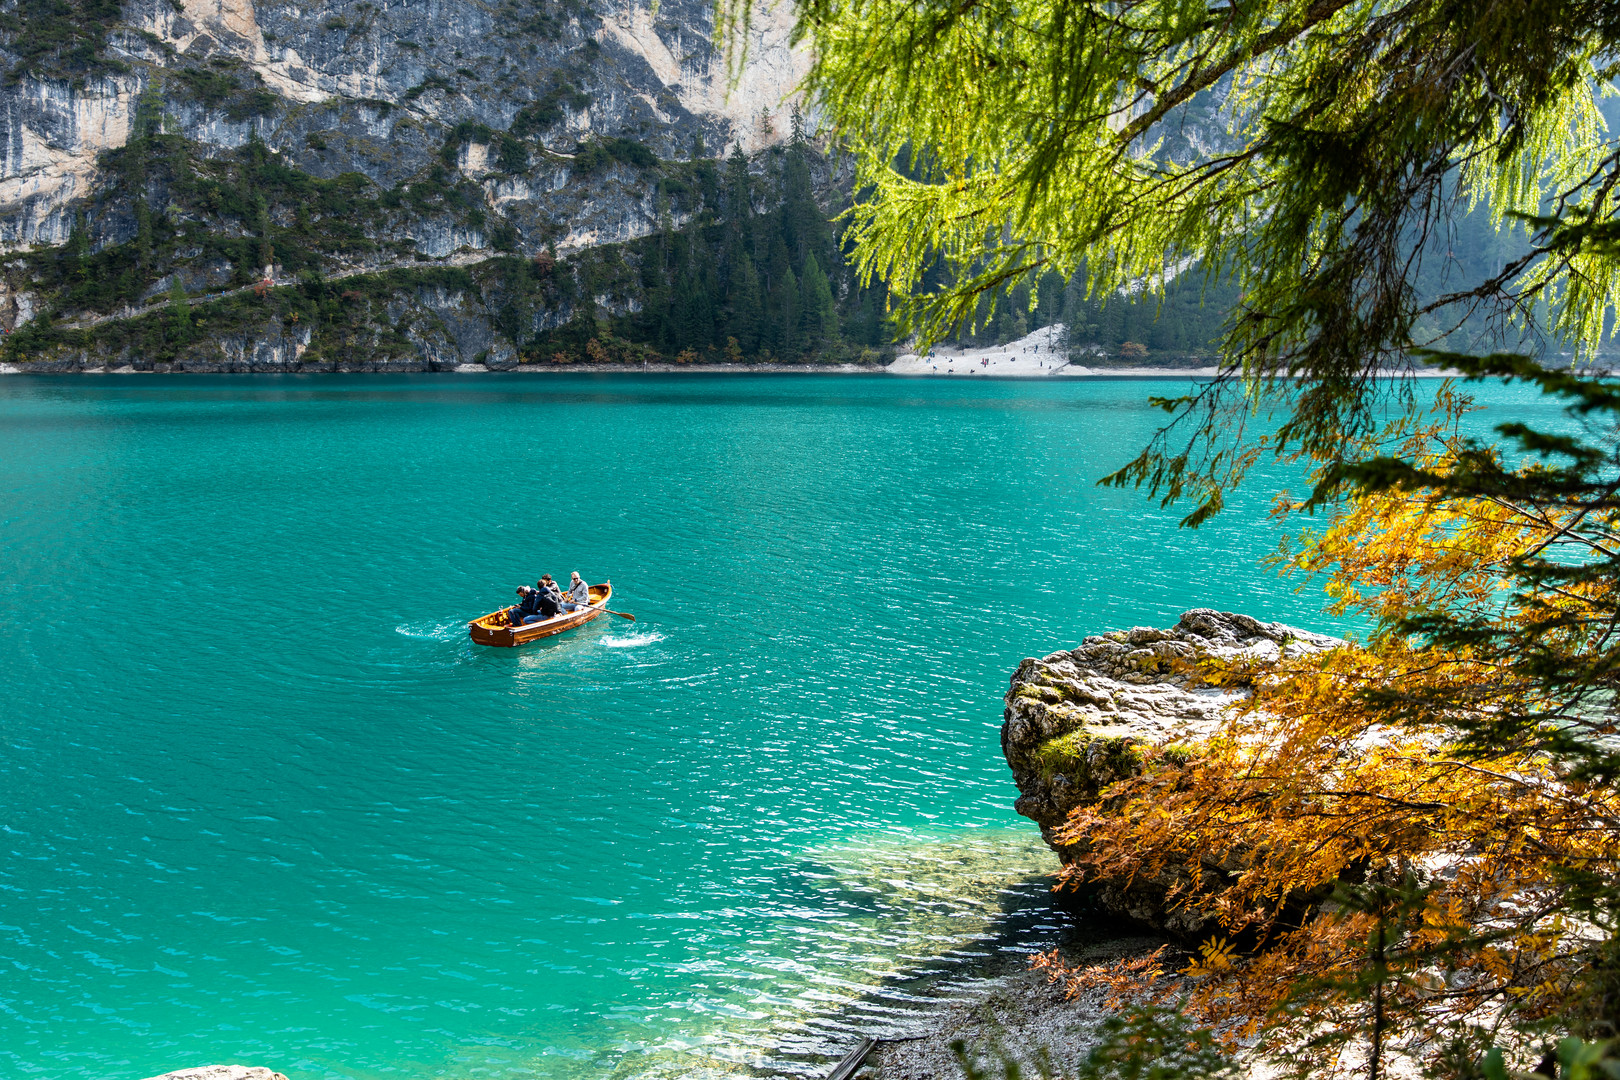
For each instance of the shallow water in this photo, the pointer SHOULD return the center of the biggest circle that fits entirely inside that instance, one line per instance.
(264, 801)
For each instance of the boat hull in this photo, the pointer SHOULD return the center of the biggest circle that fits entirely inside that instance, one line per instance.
(493, 629)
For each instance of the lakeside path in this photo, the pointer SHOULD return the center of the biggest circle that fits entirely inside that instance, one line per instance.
(158, 304)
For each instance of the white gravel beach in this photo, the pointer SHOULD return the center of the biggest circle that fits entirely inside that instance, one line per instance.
(1041, 354)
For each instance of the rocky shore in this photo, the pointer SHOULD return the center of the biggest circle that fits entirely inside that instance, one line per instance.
(1022, 1017)
(1075, 721)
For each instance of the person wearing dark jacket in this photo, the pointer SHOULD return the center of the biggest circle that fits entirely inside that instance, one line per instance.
(547, 602)
(527, 610)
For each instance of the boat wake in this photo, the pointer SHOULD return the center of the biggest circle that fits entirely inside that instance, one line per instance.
(630, 641)
(434, 631)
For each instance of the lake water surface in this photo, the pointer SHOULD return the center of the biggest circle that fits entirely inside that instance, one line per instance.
(264, 802)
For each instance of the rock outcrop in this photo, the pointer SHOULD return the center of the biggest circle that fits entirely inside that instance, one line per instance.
(1076, 721)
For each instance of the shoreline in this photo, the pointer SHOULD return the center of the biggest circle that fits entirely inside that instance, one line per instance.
(1070, 373)
(978, 988)
(988, 995)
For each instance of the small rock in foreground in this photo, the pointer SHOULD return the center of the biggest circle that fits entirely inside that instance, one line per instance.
(222, 1072)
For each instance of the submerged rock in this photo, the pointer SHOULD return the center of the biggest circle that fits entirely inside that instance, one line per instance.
(1023, 1018)
(1077, 721)
(222, 1072)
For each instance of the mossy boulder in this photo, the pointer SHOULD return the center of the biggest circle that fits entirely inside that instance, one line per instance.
(1078, 721)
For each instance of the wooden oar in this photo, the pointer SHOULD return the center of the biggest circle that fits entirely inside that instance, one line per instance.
(620, 614)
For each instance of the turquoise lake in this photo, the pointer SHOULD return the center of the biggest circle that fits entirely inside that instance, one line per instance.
(264, 802)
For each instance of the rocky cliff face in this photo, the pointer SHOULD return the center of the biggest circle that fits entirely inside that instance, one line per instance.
(1075, 721)
(223, 145)
(338, 87)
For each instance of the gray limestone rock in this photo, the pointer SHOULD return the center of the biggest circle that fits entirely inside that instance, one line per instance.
(345, 87)
(1075, 721)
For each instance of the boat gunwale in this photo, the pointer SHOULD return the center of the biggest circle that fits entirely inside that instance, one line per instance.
(522, 635)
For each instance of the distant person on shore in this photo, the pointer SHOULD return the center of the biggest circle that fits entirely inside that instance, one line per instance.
(579, 593)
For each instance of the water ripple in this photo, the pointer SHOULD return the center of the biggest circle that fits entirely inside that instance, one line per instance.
(265, 801)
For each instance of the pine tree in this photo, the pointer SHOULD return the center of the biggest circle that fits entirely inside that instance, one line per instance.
(179, 314)
(693, 309)
(872, 326)
(77, 254)
(143, 234)
(818, 312)
(261, 226)
(804, 225)
(782, 301)
(747, 306)
(739, 187)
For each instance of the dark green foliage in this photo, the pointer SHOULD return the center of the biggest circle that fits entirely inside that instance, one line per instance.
(818, 314)
(149, 119)
(219, 85)
(179, 315)
(431, 82)
(251, 103)
(747, 307)
(60, 39)
(467, 131)
(595, 153)
(209, 86)
(732, 282)
(781, 331)
(524, 18)
(503, 236)
(535, 118)
(1186, 321)
(1145, 1043)
(248, 209)
(512, 156)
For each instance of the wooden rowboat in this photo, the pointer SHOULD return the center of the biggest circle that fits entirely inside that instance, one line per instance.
(493, 629)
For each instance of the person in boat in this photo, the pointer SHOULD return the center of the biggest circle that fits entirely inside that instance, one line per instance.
(547, 585)
(548, 605)
(527, 609)
(579, 593)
